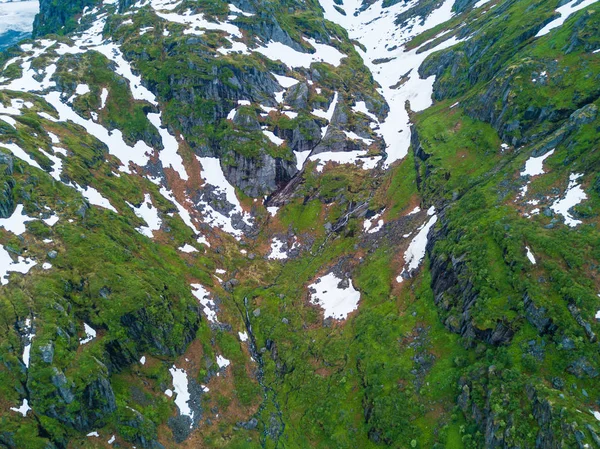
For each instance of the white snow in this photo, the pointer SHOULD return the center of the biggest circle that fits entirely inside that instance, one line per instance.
(147, 212)
(46, 266)
(272, 210)
(368, 224)
(276, 51)
(57, 163)
(573, 196)
(336, 302)
(23, 409)
(353, 136)
(169, 392)
(565, 12)
(21, 154)
(111, 440)
(16, 222)
(530, 255)
(285, 81)
(415, 252)
(90, 334)
(209, 306)
(180, 385)
(273, 138)
(138, 154)
(535, 165)
(11, 121)
(187, 249)
(243, 336)
(103, 98)
(94, 197)
(277, 252)
(301, 157)
(22, 265)
(222, 362)
(213, 175)
(143, 360)
(596, 414)
(93, 434)
(375, 28)
(361, 107)
(345, 157)
(327, 115)
(169, 155)
(236, 10)
(183, 212)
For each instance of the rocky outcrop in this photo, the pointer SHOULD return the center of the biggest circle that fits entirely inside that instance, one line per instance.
(156, 332)
(7, 184)
(58, 16)
(538, 318)
(82, 408)
(259, 176)
(456, 295)
(481, 400)
(304, 136)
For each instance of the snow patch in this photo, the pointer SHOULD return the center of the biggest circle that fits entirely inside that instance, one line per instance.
(573, 196)
(180, 385)
(23, 409)
(7, 265)
(90, 334)
(375, 28)
(415, 252)
(277, 252)
(337, 302)
(222, 362)
(565, 12)
(530, 255)
(368, 223)
(276, 51)
(213, 175)
(147, 212)
(345, 157)
(209, 306)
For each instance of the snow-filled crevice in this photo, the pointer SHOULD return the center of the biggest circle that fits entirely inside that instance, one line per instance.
(375, 28)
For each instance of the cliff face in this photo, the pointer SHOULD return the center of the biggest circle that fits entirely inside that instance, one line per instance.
(59, 16)
(301, 223)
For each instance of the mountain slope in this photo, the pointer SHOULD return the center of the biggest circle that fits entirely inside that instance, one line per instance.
(301, 224)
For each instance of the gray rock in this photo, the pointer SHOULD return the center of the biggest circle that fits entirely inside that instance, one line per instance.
(582, 368)
(47, 352)
(297, 96)
(252, 424)
(259, 176)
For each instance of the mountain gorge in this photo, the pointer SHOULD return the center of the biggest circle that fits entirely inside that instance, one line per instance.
(301, 224)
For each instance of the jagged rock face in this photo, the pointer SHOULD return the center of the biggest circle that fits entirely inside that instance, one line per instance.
(255, 223)
(58, 16)
(259, 177)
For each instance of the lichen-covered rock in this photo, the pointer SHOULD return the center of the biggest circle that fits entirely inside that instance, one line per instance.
(260, 176)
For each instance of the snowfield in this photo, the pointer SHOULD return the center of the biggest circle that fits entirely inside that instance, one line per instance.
(375, 28)
(337, 302)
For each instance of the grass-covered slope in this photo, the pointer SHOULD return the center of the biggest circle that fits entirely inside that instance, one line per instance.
(180, 180)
